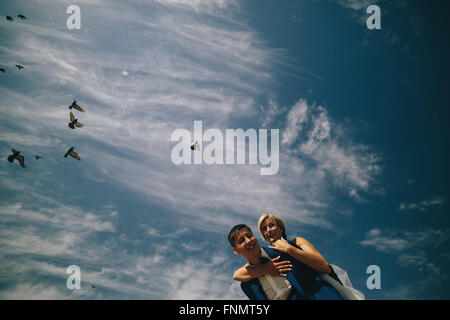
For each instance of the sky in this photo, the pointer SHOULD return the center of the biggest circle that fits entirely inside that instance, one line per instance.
(362, 116)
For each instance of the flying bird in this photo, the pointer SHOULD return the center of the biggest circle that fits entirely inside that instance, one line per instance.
(16, 155)
(37, 157)
(195, 145)
(76, 106)
(22, 17)
(9, 18)
(72, 153)
(74, 122)
(19, 66)
(2, 70)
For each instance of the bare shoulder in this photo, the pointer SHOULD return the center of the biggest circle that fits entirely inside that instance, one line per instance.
(301, 241)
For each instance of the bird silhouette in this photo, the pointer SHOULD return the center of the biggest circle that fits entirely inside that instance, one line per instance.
(9, 18)
(16, 155)
(76, 106)
(37, 157)
(72, 153)
(74, 122)
(19, 66)
(22, 17)
(2, 70)
(195, 145)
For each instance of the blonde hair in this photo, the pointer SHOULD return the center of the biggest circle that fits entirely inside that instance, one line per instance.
(277, 220)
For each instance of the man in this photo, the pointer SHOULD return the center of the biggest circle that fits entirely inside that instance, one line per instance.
(275, 280)
(272, 284)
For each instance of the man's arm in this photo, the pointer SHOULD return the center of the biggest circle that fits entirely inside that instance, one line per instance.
(273, 268)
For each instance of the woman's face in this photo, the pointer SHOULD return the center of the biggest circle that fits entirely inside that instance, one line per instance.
(271, 231)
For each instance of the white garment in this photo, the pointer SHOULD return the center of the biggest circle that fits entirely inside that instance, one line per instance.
(346, 290)
(275, 288)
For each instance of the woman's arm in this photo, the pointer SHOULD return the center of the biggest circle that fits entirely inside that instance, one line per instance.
(273, 268)
(308, 254)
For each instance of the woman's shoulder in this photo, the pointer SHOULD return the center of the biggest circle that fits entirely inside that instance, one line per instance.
(299, 241)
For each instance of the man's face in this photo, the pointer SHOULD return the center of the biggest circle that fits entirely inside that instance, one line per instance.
(246, 244)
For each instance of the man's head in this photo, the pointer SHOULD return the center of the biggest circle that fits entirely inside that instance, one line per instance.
(244, 243)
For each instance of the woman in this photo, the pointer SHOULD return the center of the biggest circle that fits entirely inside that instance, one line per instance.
(308, 262)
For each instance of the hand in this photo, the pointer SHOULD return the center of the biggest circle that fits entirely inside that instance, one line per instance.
(281, 245)
(275, 268)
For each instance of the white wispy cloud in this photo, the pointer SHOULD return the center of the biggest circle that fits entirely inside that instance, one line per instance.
(318, 138)
(357, 4)
(391, 241)
(410, 247)
(385, 242)
(414, 251)
(296, 116)
(200, 71)
(170, 64)
(41, 243)
(424, 206)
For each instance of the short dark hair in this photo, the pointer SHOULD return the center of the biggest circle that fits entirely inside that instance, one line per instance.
(234, 230)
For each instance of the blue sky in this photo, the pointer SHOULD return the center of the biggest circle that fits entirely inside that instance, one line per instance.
(362, 116)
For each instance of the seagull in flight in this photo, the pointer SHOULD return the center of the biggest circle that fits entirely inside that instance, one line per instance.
(9, 18)
(195, 145)
(76, 106)
(19, 66)
(16, 155)
(37, 157)
(22, 17)
(72, 153)
(74, 122)
(2, 70)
